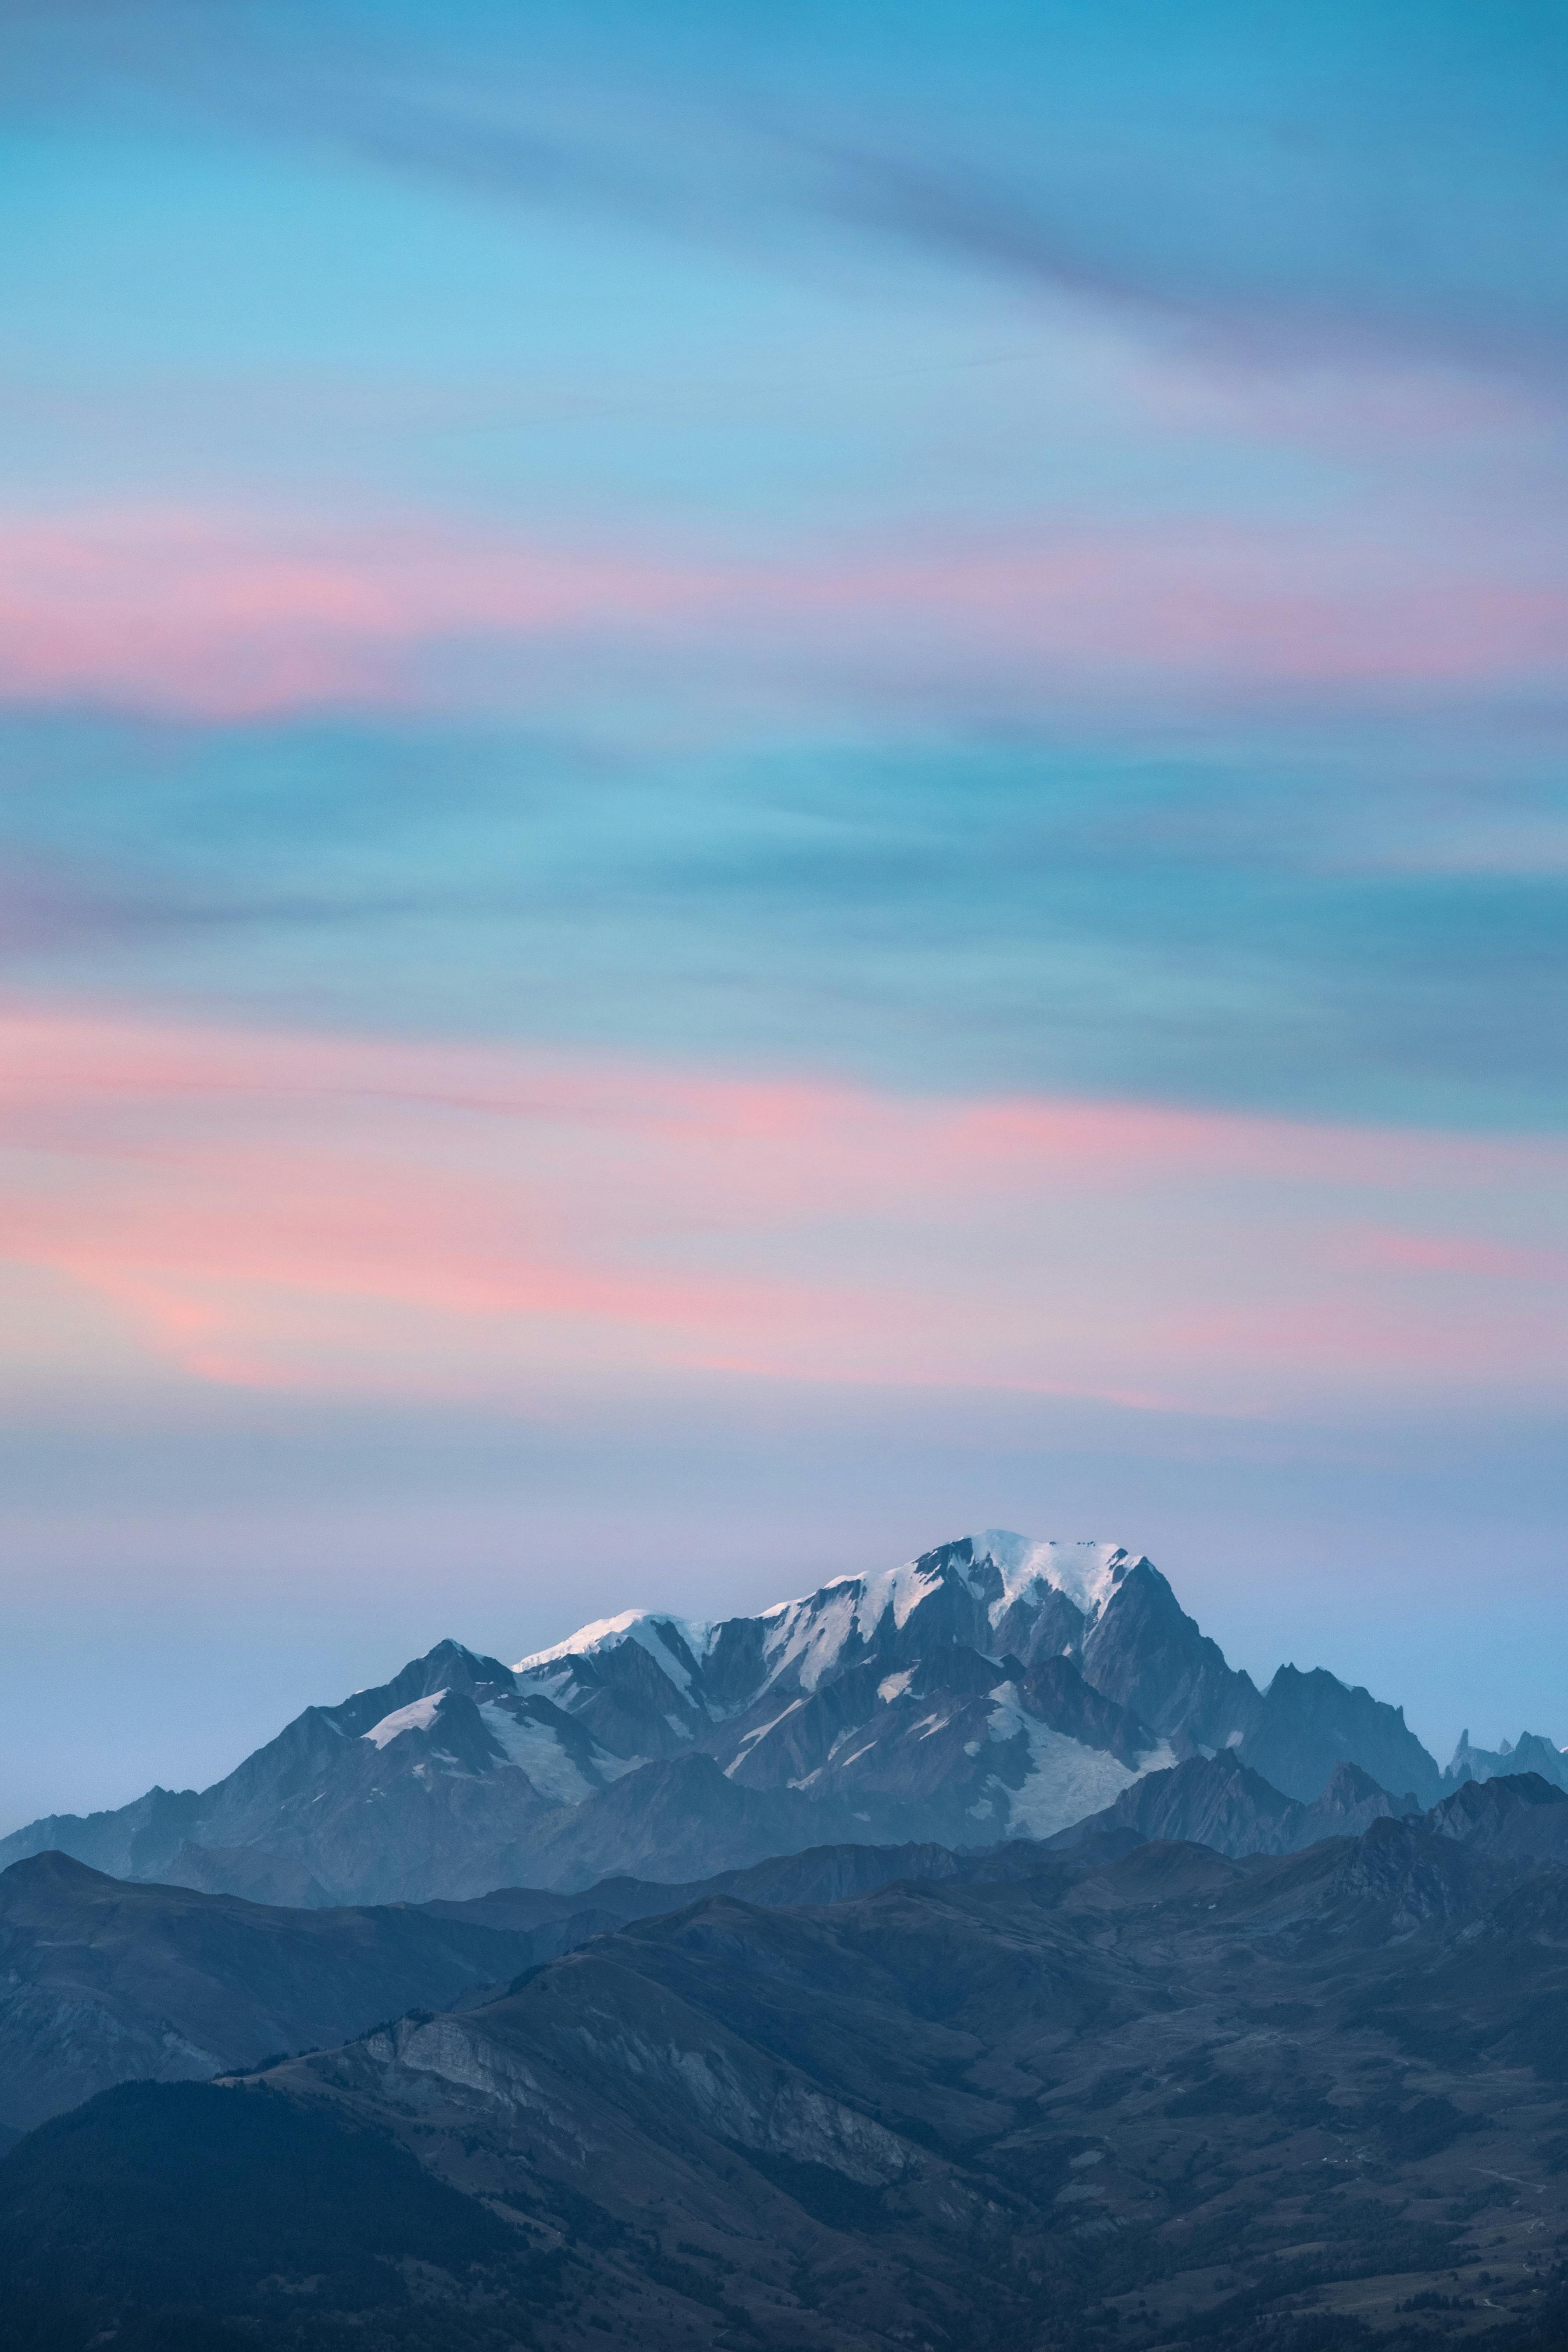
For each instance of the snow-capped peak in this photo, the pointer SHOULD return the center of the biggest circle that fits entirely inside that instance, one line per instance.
(1085, 1573)
(809, 1636)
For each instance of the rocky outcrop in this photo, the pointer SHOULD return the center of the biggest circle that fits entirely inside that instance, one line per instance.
(1518, 1815)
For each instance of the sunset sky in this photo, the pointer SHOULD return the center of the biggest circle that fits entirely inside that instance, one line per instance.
(772, 780)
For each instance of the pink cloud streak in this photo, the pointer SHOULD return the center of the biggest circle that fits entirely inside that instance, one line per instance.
(231, 613)
(1487, 1261)
(358, 1214)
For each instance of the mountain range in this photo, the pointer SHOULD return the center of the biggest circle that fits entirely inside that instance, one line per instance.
(1123, 2091)
(994, 1688)
(962, 1956)
(102, 1981)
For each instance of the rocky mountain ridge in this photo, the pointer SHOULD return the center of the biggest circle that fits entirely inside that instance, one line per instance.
(994, 1687)
(1529, 1753)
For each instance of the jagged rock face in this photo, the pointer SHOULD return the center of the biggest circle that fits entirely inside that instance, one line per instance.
(1147, 1652)
(993, 1687)
(136, 1841)
(1399, 1878)
(410, 1791)
(1351, 1800)
(998, 1595)
(1205, 1800)
(1310, 1723)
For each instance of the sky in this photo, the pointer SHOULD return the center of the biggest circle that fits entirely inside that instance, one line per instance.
(772, 782)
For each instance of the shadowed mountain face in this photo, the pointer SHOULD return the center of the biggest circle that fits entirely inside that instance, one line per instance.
(992, 1688)
(100, 1981)
(1310, 1723)
(1171, 2094)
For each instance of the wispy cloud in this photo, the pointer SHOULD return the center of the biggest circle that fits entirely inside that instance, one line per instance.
(1333, 188)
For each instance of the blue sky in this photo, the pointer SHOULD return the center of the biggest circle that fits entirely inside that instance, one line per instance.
(925, 649)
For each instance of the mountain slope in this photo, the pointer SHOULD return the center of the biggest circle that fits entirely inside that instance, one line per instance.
(434, 1783)
(1518, 1815)
(100, 1981)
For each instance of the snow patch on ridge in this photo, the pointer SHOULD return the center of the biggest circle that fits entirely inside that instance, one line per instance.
(751, 1739)
(639, 1625)
(901, 1588)
(419, 1716)
(536, 1750)
(809, 1638)
(811, 1633)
